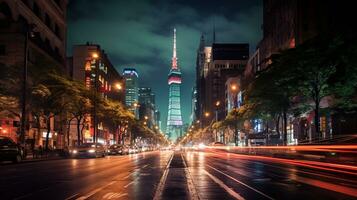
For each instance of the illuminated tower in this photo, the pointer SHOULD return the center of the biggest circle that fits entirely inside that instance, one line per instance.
(174, 119)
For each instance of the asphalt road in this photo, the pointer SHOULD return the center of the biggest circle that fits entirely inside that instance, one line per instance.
(180, 175)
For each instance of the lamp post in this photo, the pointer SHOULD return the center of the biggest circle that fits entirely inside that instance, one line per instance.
(234, 91)
(95, 57)
(218, 103)
(28, 33)
(119, 87)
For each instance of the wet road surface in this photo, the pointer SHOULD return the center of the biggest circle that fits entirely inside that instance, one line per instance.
(176, 175)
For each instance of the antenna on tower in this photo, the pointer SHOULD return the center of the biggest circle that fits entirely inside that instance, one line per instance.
(174, 56)
(174, 50)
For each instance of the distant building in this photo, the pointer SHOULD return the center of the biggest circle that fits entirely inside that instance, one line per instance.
(193, 104)
(147, 106)
(131, 90)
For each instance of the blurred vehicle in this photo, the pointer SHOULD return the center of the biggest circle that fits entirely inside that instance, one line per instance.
(217, 144)
(177, 148)
(89, 150)
(116, 149)
(133, 149)
(10, 151)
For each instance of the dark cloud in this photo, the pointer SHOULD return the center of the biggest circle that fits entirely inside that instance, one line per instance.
(138, 33)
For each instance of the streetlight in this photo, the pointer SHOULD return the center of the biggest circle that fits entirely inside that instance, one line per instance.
(119, 86)
(29, 34)
(234, 91)
(218, 103)
(146, 117)
(95, 56)
(207, 114)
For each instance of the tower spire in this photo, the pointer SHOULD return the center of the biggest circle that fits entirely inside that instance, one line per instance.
(174, 56)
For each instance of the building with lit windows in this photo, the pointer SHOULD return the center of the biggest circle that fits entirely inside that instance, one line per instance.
(174, 119)
(131, 90)
(91, 65)
(147, 106)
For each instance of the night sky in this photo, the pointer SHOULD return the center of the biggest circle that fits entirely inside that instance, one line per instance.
(138, 33)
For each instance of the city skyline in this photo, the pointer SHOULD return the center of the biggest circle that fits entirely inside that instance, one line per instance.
(143, 43)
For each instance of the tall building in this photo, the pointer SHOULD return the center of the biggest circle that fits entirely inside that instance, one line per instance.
(46, 20)
(131, 89)
(147, 106)
(174, 119)
(91, 65)
(193, 105)
(214, 66)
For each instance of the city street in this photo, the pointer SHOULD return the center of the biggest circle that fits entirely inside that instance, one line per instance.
(175, 175)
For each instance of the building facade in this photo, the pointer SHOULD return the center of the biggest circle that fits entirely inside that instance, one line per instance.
(131, 90)
(39, 25)
(147, 106)
(174, 118)
(92, 66)
(227, 60)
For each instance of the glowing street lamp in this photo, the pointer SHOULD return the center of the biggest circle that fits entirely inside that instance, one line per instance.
(207, 114)
(95, 55)
(146, 117)
(119, 86)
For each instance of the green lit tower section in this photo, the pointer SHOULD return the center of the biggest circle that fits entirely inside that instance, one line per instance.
(174, 119)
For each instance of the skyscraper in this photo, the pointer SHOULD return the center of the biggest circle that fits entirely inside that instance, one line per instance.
(174, 119)
(131, 89)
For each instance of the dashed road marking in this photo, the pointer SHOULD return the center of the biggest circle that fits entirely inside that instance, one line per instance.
(95, 191)
(224, 186)
(114, 195)
(240, 182)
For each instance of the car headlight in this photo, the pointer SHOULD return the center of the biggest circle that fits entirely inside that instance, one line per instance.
(74, 151)
(91, 151)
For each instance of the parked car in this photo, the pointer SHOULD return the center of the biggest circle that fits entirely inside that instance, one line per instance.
(89, 150)
(133, 149)
(117, 149)
(10, 151)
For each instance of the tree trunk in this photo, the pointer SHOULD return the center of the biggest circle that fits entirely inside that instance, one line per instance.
(68, 131)
(277, 125)
(48, 123)
(285, 120)
(78, 131)
(83, 124)
(317, 118)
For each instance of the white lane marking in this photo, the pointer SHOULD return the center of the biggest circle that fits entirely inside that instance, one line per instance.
(128, 175)
(144, 166)
(128, 184)
(160, 187)
(224, 186)
(95, 191)
(240, 182)
(71, 197)
(191, 187)
(113, 195)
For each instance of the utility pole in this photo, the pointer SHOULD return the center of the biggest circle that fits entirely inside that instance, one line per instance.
(28, 33)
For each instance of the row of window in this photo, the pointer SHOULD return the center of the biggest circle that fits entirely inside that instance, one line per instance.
(44, 17)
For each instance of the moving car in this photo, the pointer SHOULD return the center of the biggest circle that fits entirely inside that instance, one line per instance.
(88, 150)
(10, 151)
(117, 149)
